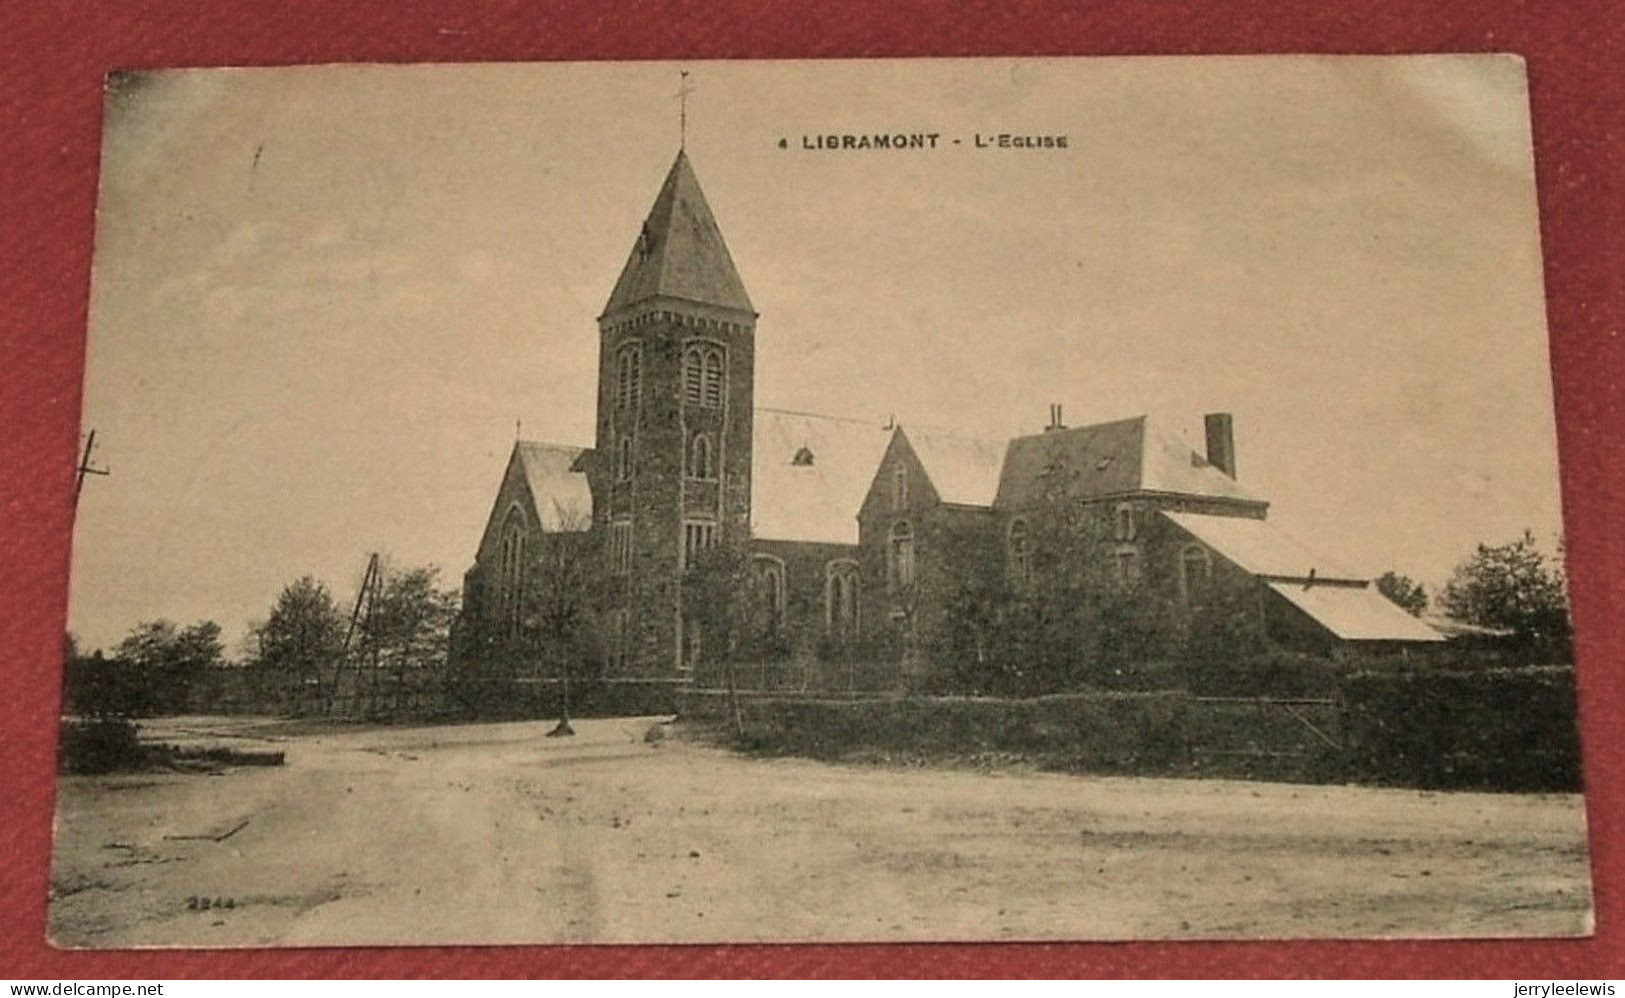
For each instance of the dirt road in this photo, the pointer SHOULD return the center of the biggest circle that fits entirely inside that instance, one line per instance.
(493, 833)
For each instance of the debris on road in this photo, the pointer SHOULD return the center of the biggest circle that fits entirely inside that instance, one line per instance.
(207, 837)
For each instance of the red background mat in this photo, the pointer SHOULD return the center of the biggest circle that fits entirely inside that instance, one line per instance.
(56, 53)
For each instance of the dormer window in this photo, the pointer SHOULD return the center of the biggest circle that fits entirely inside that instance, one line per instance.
(803, 458)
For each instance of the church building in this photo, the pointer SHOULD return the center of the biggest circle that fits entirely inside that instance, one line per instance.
(856, 531)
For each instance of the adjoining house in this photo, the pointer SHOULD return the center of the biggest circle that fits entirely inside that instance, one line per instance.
(849, 523)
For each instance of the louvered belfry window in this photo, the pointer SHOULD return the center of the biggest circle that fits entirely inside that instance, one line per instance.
(703, 376)
(628, 376)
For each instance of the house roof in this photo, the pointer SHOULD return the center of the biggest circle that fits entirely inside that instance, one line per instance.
(1104, 459)
(1355, 613)
(1259, 547)
(563, 500)
(1452, 628)
(963, 470)
(816, 501)
(680, 252)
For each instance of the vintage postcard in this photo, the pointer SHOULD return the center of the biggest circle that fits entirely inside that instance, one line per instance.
(994, 499)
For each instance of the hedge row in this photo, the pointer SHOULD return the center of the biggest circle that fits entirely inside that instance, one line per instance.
(1502, 729)
(1490, 729)
(1133, 732)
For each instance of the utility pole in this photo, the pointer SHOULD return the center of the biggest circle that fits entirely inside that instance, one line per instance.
(86, 468)
(360, 617)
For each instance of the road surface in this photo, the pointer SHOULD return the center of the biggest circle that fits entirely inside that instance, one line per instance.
(492, 833)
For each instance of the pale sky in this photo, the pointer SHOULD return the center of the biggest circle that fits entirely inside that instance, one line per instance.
(322, 296)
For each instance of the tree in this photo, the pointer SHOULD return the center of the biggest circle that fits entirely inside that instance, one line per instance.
(403, 640)
(564, 595)
(722, 601)
(1516, 587)
(301, 639)
(169, 663)
(96, 687)
(1404, 592)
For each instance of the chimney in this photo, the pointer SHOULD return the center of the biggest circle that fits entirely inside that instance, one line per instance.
(1054, 418)
(1221, 442)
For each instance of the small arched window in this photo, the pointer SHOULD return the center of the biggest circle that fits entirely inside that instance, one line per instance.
(628, 376)
(841, 600)
(703, 376)
(899, 487)
(770, 572)
(1127, 559)
(1020, 554)
(900, 555)
(623, 459)
(1195, 572)
(1127, 525)
(699, 458)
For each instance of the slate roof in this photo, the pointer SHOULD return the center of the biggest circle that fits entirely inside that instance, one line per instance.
(963, 470)
(1105, 459)
(680, 252)
(563, 500)
(1259, 547)
(1356, 613)
(817, 501)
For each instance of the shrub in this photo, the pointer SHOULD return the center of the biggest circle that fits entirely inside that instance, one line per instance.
(100, 745)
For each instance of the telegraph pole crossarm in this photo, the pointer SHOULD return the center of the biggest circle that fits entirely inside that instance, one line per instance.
(86, 468)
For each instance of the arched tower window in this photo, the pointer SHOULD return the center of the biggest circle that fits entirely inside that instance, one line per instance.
(703, 376)
(628, 376)
(841, 600)
(900, 555)
(1195, 572)
(899, 487)
(1020, 545)
(623, 458)
(699, 458)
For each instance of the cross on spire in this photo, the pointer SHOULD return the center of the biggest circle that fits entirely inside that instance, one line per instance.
(683, 90)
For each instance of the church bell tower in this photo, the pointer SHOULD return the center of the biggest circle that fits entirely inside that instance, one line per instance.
(676, 374)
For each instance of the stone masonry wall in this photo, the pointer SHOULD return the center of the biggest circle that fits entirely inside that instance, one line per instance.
(658, 496)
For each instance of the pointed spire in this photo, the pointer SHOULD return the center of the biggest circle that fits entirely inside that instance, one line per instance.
(680, 252)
